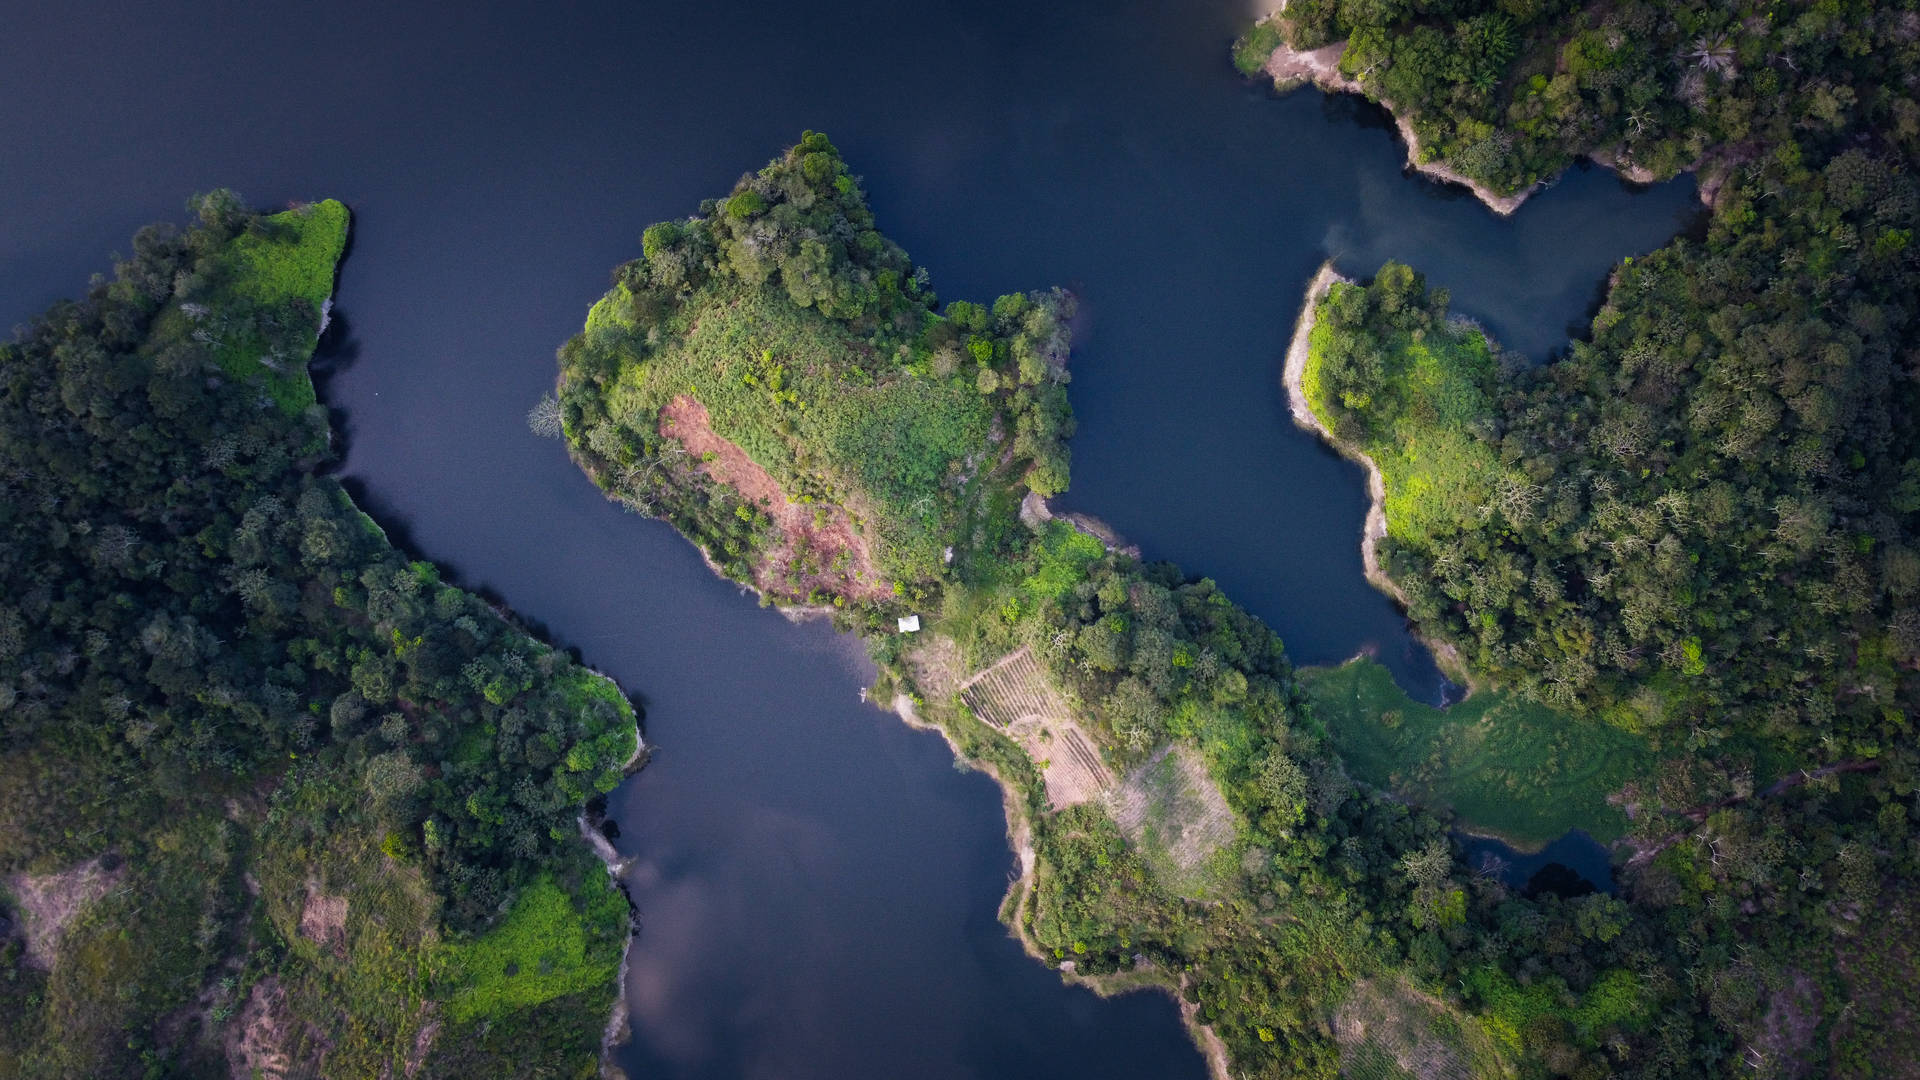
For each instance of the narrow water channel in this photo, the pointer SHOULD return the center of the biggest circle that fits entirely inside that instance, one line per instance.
(818, 883)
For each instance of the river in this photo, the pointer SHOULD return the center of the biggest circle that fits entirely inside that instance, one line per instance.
(818, 883)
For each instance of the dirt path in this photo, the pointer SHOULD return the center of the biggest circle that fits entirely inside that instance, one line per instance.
(834, 557)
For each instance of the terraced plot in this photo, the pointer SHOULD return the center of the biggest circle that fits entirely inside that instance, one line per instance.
(1015, 696)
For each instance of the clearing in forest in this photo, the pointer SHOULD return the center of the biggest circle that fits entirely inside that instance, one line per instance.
(1505, 765)
(1015, 696)
(818, 550)
(1174, 813)
(1387, 1030)
(48, 902)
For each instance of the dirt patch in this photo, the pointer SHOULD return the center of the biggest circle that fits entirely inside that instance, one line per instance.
(1015, 696)
(818, 547)
(1290, 68)
(1386, 1027)
(1174, 813)
(1785, 1037)
(323, 919)
(423, 1039)
(257, 1041)
(48, 902)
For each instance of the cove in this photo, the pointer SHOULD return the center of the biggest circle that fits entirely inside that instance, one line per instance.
(818, 884)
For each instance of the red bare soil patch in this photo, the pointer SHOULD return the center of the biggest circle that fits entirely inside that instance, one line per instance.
(815, 536)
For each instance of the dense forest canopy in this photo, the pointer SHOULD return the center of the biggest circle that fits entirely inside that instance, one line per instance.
(1698, 526)
(272, 795)
(1509, 92)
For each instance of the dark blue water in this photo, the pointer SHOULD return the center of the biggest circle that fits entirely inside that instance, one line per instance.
(1570, 866)
(818, 884)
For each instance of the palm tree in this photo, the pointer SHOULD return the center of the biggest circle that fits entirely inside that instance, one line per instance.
(1711, 52)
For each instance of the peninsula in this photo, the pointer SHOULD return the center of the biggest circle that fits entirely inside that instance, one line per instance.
(275, 800)
(1687, 547)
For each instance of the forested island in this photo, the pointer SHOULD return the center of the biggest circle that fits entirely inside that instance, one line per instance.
(782, 383)
(275, 799)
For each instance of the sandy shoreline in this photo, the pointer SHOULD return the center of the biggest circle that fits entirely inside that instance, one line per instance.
(618, 1023)
(1290, 68)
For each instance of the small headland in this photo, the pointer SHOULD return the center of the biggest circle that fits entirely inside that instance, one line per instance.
(1294, 376)
(1290, 68)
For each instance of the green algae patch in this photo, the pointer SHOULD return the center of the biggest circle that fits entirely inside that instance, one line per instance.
(1505, 765)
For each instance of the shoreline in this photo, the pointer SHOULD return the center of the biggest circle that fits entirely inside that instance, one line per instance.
(619, 1023)
(1445, 656)
(1020, 840)
(1289, 69)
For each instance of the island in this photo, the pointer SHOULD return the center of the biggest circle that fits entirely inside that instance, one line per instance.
(275, 799)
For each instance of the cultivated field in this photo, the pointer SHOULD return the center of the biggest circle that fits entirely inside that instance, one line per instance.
(1171, 810)
(1015, 696)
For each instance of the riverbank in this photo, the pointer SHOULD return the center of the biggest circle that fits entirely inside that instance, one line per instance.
(1291, 68)
(1299, 350)
(1020, 840)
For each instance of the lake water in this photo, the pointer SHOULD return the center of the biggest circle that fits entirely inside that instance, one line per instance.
(818, 883)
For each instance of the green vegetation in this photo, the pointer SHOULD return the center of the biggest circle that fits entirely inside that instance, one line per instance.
(1509, 92)
(811, 345)
(549, 944)
(266, 785)
(1228, 853)
(1505, 765)
(1389, 373)
(1698, 528)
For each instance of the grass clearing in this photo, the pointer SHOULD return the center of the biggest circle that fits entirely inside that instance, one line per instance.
(1504, 765)
(808, 401)
(283, 271)
(1388, 1030)
(1176, 817)
(1422, 416)
(545, 948)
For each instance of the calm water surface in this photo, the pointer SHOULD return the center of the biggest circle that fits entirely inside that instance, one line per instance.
(818, 883)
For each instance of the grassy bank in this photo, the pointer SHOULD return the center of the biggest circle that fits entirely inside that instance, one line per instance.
(1506, 766)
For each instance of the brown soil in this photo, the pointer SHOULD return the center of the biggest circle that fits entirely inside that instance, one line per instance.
(323, 920)
(48, 902)
(1015, 696)
(257, 1042)
(422, 1040)
(822, 542)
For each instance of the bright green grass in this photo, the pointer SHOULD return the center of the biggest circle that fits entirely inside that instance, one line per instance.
(293, 259)
(1251, 49)
(1506, 766)
(546, 947)
(1438, 474)
(799, 393)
